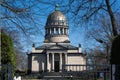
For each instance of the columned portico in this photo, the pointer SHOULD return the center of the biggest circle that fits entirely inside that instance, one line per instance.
(59, 58)
(56, 50)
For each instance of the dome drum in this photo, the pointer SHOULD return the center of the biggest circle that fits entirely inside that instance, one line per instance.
(56, 28)
(57, 22)
(57, 31)
(57, 38)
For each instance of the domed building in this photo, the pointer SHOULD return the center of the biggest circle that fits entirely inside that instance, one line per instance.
(56, 28)
(56, 50)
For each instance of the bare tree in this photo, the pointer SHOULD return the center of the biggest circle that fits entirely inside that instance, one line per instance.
(90, 10)
(103, 32)
(21, 60)
(96, 57)
(23, 16)
(21, 19)
(103, 36)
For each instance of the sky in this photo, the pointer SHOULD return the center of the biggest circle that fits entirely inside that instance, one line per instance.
(77, 34)
(41, 10)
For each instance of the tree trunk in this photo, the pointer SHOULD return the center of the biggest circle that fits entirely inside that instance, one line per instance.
(112, 18)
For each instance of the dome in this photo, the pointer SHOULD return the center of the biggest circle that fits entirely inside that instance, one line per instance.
(56, 28)
(56, 18)
(56, 15)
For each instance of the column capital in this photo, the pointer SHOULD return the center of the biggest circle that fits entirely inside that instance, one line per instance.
(47, 53)
(65, 53)
(60, 53)
(52, 53)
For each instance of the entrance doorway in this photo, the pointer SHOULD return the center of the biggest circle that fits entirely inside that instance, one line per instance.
(56, 66)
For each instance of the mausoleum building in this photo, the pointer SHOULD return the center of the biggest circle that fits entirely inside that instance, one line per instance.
(56, 49)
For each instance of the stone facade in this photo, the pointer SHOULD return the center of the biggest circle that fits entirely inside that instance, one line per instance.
(56, 50)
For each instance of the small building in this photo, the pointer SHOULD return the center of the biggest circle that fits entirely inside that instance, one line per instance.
(56, 49)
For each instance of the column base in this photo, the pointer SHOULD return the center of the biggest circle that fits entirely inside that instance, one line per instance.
(48, 70)
(60, 71)
(52, 70)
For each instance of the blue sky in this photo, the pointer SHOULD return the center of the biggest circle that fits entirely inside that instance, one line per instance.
(76, 33)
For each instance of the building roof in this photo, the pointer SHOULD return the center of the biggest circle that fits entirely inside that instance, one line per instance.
(56, 15)
(56, 18)
(56, 46)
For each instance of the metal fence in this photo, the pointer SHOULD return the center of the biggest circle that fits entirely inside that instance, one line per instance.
(86, 72)
(5, 72)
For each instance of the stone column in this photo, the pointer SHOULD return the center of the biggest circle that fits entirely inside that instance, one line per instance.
(53, 62)
(50, 30)
(59, 31)
(63, 31)
(65, 58)
(66, 68)
(48, 62)
(60, 61)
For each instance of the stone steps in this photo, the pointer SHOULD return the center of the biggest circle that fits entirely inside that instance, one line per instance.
(52, 75)
(45, 76)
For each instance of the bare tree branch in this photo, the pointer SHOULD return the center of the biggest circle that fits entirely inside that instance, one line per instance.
(15, 10)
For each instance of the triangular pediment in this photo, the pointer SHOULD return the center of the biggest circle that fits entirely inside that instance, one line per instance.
(57, 47)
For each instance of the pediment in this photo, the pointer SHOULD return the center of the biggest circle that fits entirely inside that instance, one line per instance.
(57, 47)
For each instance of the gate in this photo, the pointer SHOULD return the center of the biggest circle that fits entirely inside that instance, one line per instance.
(86, 72)
(5, 72)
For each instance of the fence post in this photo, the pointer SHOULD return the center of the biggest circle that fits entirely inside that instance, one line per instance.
(62, 72)
(9, 72)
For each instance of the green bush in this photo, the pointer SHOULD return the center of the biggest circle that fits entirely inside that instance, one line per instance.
(7, 51)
